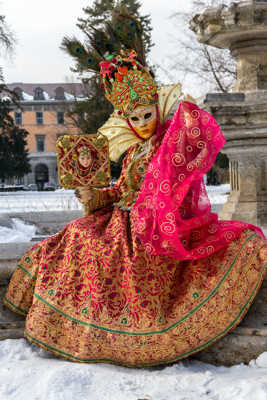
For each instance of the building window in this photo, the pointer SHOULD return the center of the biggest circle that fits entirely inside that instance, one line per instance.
(59, 93)
(41, 175)
(60, 118)
(38, 94)
(39, 118)
(18, 118)
(40, 143)
(19, 93)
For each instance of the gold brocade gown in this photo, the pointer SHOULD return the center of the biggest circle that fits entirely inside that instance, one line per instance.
(92, 294)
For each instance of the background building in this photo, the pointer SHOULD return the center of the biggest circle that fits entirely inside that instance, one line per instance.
(43, 115)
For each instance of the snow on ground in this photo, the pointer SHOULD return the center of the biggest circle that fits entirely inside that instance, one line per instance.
(218, 194)
(20, 232)
(30, 373)
(62, 200)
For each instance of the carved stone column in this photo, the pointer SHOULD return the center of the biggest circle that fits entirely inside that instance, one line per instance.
(242, 115)
(248, 197)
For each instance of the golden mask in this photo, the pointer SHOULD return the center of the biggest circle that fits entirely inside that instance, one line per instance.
(144, 120)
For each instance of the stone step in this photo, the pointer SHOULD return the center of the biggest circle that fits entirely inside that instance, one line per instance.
(17, 333)
(12, 329)
(246, 331)
(11, 325)
(10, 254)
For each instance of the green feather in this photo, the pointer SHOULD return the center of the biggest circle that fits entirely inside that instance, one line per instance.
(121, 33)
(128, 32)
(88, 59)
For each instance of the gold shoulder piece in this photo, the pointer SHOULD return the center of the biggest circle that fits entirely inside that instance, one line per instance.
(169, 95)
(119, 135)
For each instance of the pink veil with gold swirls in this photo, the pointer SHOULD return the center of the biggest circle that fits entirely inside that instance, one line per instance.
(172, 214)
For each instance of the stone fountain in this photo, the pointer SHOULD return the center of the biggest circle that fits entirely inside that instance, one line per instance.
(242, 114)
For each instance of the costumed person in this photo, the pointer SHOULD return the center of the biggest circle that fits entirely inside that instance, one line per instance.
(150, 276)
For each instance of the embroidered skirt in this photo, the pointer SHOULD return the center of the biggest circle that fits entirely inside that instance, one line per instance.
(92, 294)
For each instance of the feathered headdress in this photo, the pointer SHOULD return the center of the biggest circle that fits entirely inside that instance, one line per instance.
(117, 53)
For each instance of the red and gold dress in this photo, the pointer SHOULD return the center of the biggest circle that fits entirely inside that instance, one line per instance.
(92, 293)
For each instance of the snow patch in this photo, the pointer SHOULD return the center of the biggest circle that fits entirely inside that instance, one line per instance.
(218, 194)
(28, 372)
(62, 200)
(46, 95)
(69, 96)
(262, 360)
(6, 98)
(20, 232)
(27, 96)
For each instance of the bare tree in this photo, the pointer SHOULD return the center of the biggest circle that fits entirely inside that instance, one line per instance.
(196, 64)
(7, 41)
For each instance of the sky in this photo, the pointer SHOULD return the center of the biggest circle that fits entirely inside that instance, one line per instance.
(39, 26)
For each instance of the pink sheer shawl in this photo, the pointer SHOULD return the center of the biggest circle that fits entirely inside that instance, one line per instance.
(172, 215)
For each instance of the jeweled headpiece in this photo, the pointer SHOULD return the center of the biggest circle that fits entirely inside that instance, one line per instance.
(84, 151)
(126, 82)
(117, 51)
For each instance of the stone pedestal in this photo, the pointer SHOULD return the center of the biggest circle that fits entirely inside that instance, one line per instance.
(242, 28)
(244, 343)
(243, 119)
(242, 115)
(248, 198)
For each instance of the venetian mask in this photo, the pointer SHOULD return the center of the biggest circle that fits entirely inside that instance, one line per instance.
(85, 157)
(144, 121)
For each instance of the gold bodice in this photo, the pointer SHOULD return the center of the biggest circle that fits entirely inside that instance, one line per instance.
(134, 171)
